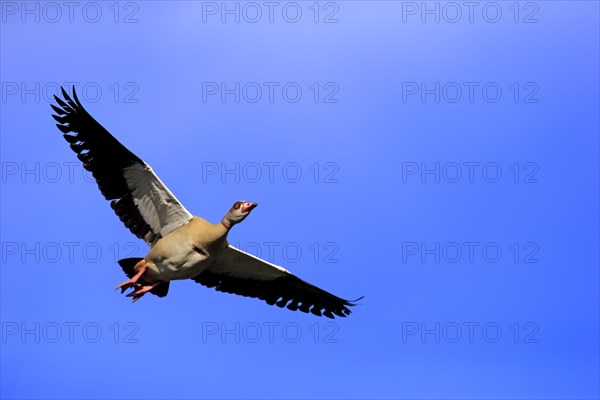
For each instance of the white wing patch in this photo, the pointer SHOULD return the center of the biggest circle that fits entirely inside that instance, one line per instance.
(239, 264)
(158, 206)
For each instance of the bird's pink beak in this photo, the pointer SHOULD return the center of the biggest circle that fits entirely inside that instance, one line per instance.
(249, 207)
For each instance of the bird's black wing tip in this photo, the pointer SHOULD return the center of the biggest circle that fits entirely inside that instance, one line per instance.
(353, 303)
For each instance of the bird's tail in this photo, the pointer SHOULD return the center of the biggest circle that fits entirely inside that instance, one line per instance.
(128, 264)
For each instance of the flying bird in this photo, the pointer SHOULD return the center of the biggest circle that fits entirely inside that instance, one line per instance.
(182, 246)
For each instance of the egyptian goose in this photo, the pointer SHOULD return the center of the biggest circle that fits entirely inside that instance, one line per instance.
(182, 246)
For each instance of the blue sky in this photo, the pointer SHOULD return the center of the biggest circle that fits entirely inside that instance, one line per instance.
(438, 158)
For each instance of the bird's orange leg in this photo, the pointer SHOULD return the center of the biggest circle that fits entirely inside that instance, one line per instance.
(140, 267)
(141, 290)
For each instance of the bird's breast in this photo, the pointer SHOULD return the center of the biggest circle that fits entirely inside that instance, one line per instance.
(172, 259)
(185, 252)
(180, 262)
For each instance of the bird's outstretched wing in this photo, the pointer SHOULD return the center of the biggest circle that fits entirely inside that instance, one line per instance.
(144, 204)
(244, 274)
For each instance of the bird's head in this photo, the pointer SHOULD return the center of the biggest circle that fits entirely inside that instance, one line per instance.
(238, 212)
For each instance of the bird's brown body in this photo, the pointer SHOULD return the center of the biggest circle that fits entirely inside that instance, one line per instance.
(186, 252)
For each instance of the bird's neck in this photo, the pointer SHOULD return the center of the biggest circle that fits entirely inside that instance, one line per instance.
(218, 235)
(224, 227)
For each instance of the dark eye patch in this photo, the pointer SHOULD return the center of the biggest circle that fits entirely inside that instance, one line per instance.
(237, 205)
